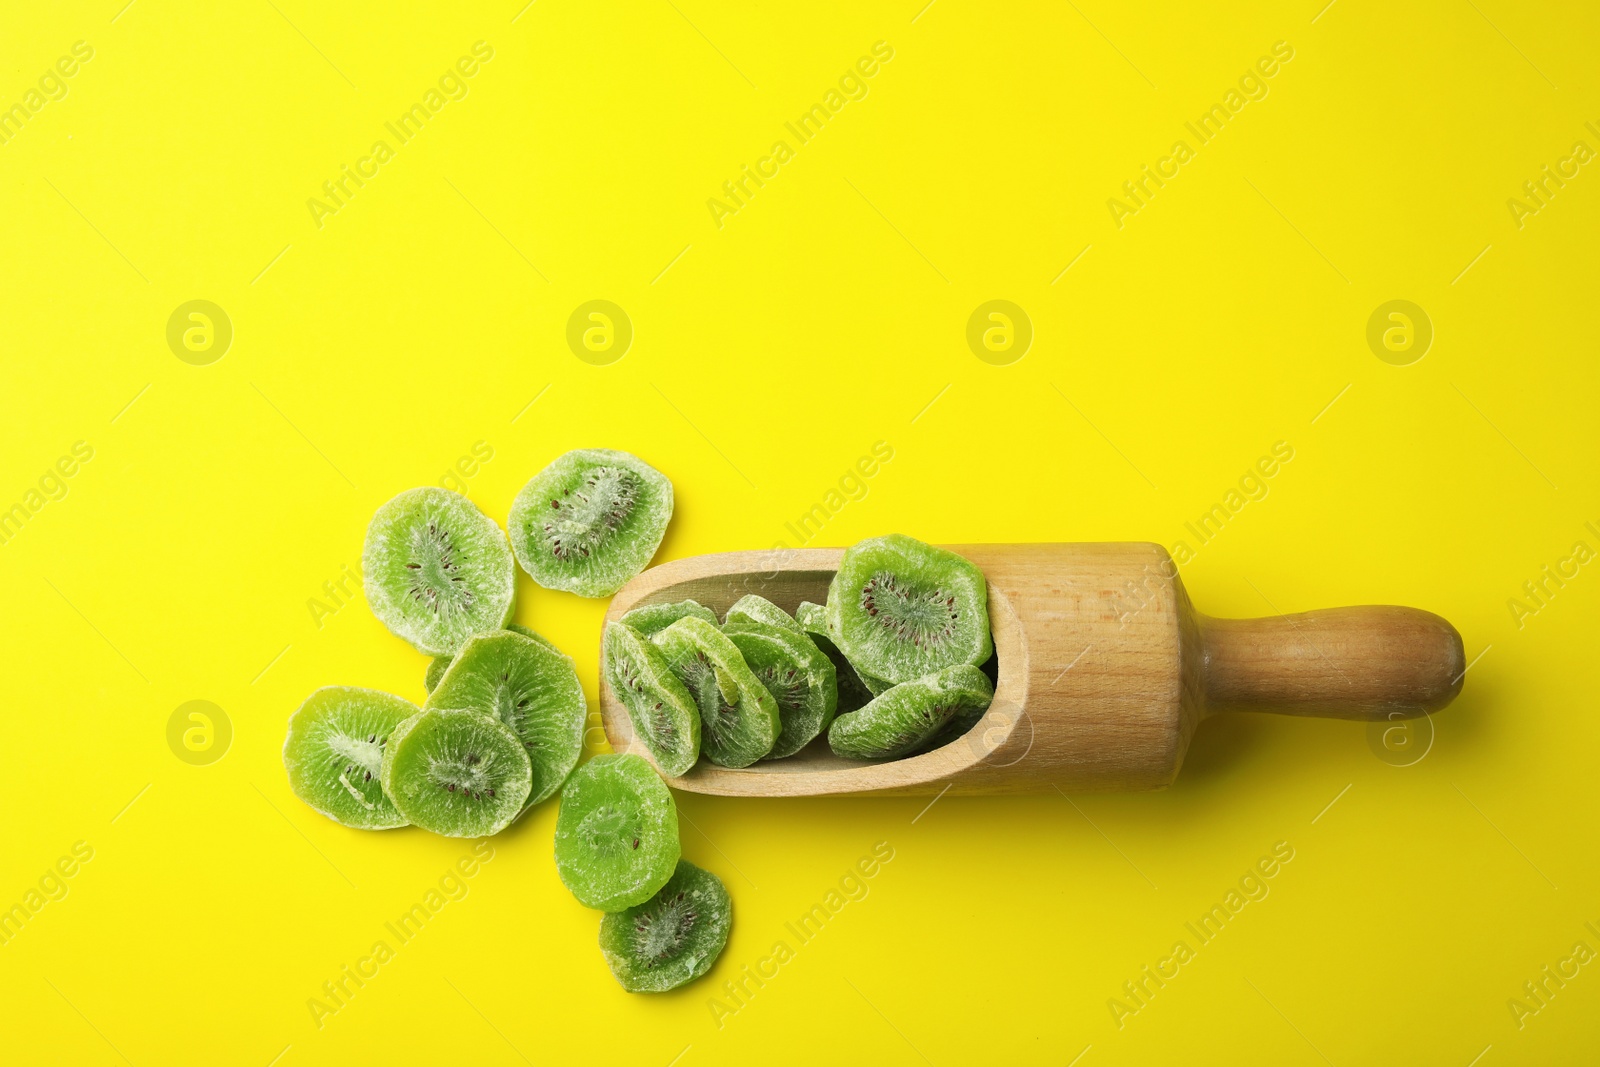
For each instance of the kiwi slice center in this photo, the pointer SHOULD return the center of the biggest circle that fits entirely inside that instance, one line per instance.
(512, 708)
(785, 685)
(926, 617)
(610, 830)
(436, 579)
(467, 773)
(581, 521)
(362, 758)
(660, 932)
(701, 678)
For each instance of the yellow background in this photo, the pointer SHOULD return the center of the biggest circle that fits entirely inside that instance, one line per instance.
(827, 314)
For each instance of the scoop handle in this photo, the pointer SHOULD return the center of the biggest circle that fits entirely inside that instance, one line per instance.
(1372, 663)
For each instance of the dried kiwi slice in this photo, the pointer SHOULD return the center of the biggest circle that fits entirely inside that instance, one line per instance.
(875, 685)
(752, 608)
(590, 521)
(663, 713)
(800, 677)
(456, 772)
(653, 618)
(437, 570)
(672, 938)
(616, 834)
(436, 668)
(811, 617)
(913, 716)
(439, 664)
(334, 754)
(738, 718)
(901, 609)
(532, 688)
(853, 691)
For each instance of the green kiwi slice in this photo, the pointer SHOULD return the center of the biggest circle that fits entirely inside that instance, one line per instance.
(616, 833)
(874, 685)
(672, 938)
(853, 692)
(738, 718)
(653, 618)
(799, 675)
(664, 715)
(457, 772)
(532, 688)
(334, 754)
(439, 664)
(812, 618)
(913, 716)
(900, 609)
(437, 570)
(436, 668)
(590, 521)
(752, 608)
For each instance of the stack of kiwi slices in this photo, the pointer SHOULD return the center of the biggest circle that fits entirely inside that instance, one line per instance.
(502, 725)
(617, 850)
(890, 667)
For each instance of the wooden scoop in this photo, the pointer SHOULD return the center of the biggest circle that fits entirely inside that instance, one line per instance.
(1105, 670)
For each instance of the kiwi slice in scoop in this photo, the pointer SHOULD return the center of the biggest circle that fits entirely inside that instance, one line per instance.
(801, 678)
(437, 570)
(616, 833)
(672, 938)
(739, 721)
(852, 688)
(590, 521)
(753, 608)
(900, 609)
(457, 772)
(664, 715)
(532, 688)
(653, 618)
(913, 716)
(334, 754)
